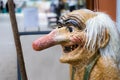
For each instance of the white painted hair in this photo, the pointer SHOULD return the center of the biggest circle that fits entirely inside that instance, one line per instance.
(95, 29)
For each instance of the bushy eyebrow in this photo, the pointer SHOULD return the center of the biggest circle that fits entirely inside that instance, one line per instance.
(73, 22)
(65, 22)
(76, 24)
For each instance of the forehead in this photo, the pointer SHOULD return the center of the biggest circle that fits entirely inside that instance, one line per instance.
(79, 15)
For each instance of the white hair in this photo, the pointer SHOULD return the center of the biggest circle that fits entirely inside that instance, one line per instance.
(95, 31)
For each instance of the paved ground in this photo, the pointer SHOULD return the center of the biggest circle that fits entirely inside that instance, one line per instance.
(42, 65)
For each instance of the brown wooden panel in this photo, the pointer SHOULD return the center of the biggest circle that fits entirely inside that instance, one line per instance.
(90, 4)
(107, 6)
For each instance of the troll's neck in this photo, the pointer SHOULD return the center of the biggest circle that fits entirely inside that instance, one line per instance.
(102, 70)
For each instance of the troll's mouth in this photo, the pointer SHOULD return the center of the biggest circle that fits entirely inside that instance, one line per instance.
(70, 48)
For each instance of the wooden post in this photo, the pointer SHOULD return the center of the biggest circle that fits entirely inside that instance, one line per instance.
(17, 40)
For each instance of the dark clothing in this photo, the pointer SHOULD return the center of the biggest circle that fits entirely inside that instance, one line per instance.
(1, 6)
(72, 8)
(7, 8)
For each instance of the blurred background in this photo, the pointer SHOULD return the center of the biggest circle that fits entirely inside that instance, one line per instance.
(36, 18)
(43, 14)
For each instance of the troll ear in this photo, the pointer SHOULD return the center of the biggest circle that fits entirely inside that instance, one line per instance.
(104, 41)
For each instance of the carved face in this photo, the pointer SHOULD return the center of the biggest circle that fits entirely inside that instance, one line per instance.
(73, 44)
(71, 35)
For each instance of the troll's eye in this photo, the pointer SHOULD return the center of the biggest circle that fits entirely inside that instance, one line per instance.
(70, 29)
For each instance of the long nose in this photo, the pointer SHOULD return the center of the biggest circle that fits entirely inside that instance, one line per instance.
(45, 41)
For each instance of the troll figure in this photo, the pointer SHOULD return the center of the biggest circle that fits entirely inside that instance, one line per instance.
(90, 42)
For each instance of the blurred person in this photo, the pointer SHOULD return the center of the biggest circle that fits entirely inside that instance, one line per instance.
(57, 7)
(1, 6)
(7, 8)
(61, 7)
(72, 5)
(53, 7)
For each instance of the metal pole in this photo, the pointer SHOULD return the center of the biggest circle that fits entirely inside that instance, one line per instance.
(17, 39)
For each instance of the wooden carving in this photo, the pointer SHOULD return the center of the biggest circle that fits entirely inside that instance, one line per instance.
(90, 42)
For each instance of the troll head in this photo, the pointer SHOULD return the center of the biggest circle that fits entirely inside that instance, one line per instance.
(82, 35)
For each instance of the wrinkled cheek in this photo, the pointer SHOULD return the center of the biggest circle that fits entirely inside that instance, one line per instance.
(77, 38)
